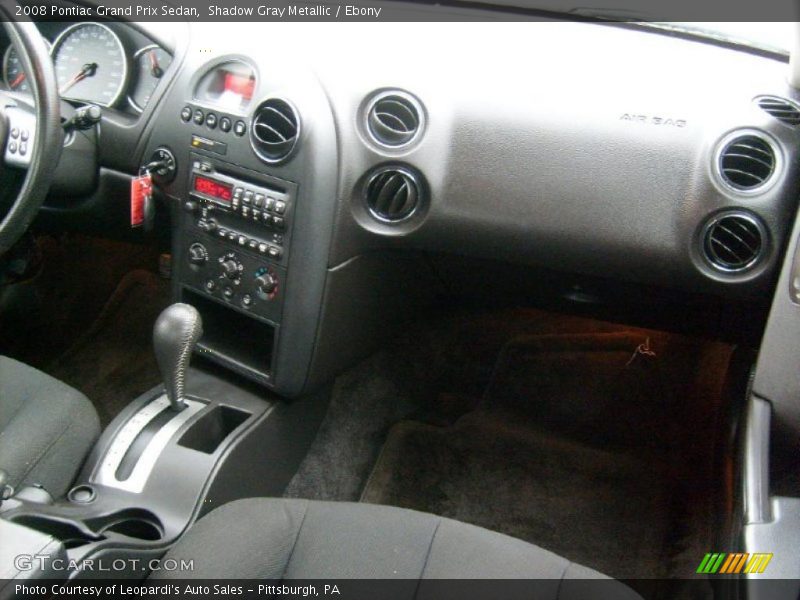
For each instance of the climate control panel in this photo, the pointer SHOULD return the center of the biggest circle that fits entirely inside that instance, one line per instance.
(240, 278)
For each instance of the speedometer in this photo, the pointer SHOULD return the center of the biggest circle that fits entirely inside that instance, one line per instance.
(91, 64)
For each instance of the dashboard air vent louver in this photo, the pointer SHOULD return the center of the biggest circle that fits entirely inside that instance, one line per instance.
(274, 130)
(394, 119)
(393, 194)
(781, 109)
(734, 242)
(747, 162)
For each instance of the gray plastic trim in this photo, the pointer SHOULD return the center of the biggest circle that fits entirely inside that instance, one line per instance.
(106, 474)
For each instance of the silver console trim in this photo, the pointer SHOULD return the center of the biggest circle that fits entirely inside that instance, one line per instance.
(106, 474)
(757, 506)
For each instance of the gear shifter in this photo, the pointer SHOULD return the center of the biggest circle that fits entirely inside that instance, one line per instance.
(175, 334)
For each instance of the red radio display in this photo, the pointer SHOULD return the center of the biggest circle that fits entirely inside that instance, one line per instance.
(215, 189)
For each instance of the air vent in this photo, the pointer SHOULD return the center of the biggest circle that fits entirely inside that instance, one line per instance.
(393, 194)
(747, 162)
(734, 242)
(394, 119)
(274, 130)
(781, 109)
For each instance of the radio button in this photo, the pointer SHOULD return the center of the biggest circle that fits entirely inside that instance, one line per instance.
(248, 197)
(267, 219)
(232, 236)
(223, 233)
(259, 200)
(253, 244)
(262, 247)
(245, 211)
(274, 252)
(280, 207)
(278, 222)
(211, 120)
(237, 192)
(242, 240)
(225, 124)
(270, 203)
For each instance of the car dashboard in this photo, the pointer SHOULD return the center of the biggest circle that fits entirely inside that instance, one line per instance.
(310, 193)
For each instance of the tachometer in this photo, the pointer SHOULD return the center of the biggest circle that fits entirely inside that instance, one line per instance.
(13, 74)
(149, 65)
(90, 64)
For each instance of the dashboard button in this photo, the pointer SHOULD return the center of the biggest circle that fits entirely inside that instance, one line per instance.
(186, 114)
(225, 124)
(199, 117)
(15, 132)
(24, 135)
(280, 207)
(240, 128)
(247, 300)
(259, 200)
(12, 147)
(211, 120)
(263, 248)
(278, 222)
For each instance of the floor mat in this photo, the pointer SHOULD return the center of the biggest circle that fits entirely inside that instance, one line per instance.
(595, 446)
(113, 362)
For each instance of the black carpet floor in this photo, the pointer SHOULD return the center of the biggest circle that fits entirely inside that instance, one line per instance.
(579, 444)
(113, 362)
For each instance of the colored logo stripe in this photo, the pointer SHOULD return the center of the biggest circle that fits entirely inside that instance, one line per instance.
(736, 562)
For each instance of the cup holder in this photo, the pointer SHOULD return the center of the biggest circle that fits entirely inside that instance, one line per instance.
(134, 523)
(72, 534)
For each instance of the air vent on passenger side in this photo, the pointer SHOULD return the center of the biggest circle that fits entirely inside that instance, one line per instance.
(393, 194)
(734, 241)
(274, 130)
(747, 162)
(394, 118)
(781, 109)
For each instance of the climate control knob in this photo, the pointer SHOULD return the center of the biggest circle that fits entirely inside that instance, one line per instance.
(230, 268)
(267, 283)
(198, 255)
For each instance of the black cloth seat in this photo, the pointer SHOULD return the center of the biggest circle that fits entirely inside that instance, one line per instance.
(46, 428)
(274, 538)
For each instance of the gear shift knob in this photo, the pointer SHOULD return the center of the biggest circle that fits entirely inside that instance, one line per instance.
(175, 334)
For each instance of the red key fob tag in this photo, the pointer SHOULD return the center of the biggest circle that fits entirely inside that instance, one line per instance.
(141, 197)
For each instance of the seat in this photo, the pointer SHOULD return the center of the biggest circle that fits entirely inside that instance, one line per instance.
(46, 428)
(273, 538)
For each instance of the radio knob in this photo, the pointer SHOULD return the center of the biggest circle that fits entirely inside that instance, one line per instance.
(266, 283)
(230, 268)
(198, 254)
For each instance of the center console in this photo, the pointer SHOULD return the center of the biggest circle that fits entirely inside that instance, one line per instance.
(204, 438)
(234, 241)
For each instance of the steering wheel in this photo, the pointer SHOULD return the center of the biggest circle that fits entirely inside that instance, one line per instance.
(40, 124)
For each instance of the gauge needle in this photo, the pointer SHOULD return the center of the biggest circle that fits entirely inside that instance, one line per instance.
(155, 68)
(87, 70)
(17, 80)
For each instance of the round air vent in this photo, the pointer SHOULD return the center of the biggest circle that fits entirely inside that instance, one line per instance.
(274, 130)
(734, 241)
(747, 162)
(393, 194)
(394, 118)
(781, 109)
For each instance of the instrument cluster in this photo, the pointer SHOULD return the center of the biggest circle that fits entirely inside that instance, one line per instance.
(98, 64)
